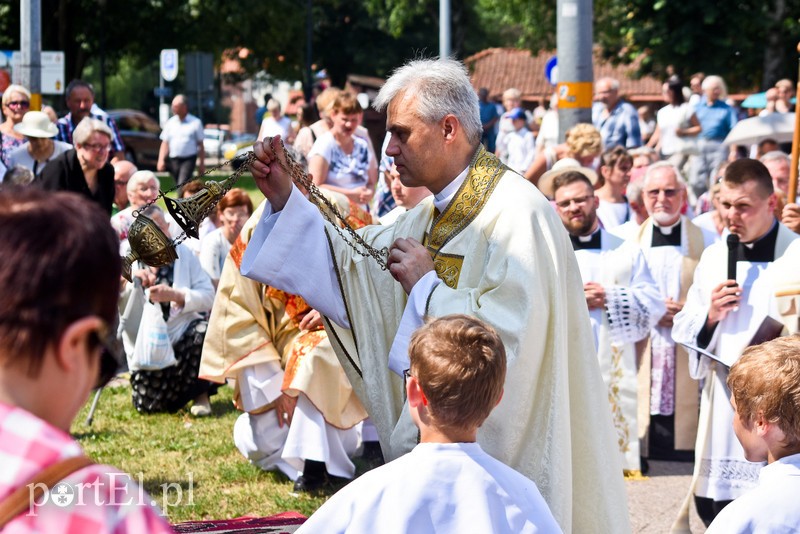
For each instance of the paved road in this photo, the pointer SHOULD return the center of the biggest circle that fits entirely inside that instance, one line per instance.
(655, 501)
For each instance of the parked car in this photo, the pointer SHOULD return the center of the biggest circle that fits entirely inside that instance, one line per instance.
(239, 143)
(213, 140)
(140, 133)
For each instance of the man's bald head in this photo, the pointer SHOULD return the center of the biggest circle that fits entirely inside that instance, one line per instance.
(123, 170)
(179, 106)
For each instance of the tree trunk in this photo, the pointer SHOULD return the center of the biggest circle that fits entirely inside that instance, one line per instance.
(774, 52)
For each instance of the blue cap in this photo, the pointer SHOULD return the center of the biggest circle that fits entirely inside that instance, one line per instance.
(517, 113)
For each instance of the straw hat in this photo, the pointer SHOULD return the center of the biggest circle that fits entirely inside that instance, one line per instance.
(36, 124)
(561, 166)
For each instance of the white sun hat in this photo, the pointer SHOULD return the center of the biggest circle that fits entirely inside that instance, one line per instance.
(36, 124)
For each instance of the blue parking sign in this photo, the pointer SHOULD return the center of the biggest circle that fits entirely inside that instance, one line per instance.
(169, 64)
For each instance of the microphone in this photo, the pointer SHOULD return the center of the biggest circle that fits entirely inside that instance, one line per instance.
(733, 255)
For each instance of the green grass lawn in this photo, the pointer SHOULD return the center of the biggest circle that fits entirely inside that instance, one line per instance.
(167, 451)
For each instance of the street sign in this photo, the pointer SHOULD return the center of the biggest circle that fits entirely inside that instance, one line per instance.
(551, 70)
(52, 69)
(162, 92)
(169, 64)
(199, 72)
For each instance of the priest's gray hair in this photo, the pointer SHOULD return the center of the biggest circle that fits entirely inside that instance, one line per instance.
(441, 87)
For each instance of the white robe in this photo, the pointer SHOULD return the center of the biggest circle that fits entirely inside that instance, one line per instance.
(633, 306)
(721, 471)
(771, 507)
(553, 423)
(437, 487)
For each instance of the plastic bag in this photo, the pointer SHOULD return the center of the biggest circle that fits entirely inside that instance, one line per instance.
(153, 349)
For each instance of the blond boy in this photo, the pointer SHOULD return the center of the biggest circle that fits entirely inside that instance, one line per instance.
(765, 395)
(446, 483)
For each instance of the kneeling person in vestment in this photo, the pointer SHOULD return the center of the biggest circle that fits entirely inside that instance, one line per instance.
(300, 413)
(623, 300)
(447, 483)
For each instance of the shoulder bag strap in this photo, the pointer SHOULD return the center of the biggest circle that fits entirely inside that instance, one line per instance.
(20, 499)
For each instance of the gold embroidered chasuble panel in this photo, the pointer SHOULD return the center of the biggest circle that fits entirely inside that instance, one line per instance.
(467, 203)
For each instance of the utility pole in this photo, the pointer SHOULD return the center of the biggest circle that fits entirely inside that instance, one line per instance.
(309, 76)
(444, 29)
(575, 76)
(30, 68)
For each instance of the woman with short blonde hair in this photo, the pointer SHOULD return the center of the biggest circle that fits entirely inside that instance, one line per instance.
(583, 143)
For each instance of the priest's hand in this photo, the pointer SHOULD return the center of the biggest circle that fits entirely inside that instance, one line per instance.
(595, 295)
(284, 409)
(268, 173)
(724, 299)
(790, 216)
(408, 262)
(673, 308)
(311, 321)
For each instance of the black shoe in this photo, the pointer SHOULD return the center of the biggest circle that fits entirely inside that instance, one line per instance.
(313, 478)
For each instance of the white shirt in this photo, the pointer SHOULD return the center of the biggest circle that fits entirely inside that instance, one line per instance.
(437, 487)
(670, 118)
(213, 250)
(521, 146)
(21, 156)
(771, 507)
(183, 136)
(344, 170)
(271, 127)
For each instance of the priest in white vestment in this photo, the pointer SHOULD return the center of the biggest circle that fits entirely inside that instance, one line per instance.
(723, 315)
(672, 245)
(487, 244)
(623, 300)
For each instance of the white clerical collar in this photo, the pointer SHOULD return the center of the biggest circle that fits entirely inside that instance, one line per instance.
(443, 198)
(667, 230)
(588, 237)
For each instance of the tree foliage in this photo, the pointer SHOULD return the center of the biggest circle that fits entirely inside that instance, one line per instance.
(749, 42)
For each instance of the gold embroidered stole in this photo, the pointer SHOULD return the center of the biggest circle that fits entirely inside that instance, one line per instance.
(484, 174)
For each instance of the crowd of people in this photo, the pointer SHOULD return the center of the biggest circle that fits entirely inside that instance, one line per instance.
(547, 318)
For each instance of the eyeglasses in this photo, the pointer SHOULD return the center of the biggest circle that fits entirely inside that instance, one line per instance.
(579, 201)
(96, 148)
(109, 363)
(406, 375)
(120, 182)
(18, 104)
(668, 193)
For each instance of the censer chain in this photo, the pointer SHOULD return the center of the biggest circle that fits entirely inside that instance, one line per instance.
(354, 241)
(295, 171)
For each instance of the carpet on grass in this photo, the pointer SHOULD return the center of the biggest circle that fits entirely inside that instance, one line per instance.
(285, 522)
